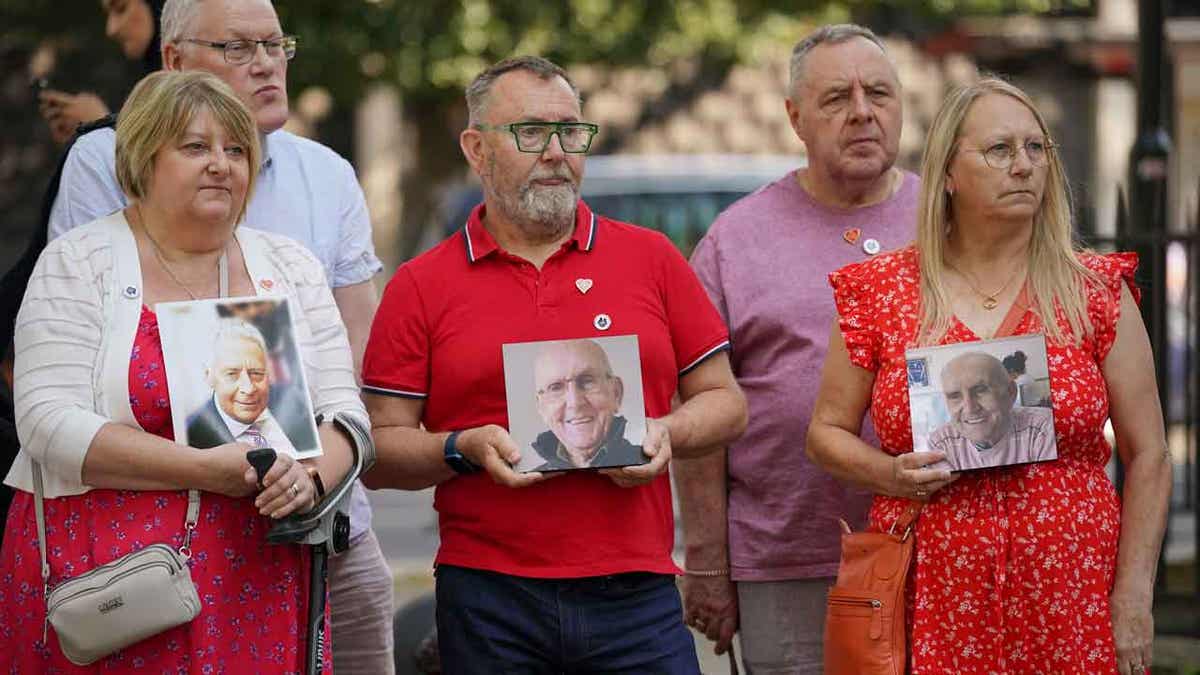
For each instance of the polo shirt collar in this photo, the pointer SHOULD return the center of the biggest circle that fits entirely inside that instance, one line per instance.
(479, 243)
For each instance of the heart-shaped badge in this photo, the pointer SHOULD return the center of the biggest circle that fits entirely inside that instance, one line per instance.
(851, 235)
(584, 285)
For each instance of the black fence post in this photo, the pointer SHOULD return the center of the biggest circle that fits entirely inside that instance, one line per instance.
(1148, 167)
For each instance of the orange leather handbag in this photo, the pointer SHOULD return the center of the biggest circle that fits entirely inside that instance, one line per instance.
(864, 617)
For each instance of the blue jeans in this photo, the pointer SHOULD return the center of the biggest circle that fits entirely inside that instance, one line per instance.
(625, 623)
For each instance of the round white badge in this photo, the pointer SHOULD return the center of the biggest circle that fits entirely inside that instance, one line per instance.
(871, 246)
(131, 292)
(602, 322)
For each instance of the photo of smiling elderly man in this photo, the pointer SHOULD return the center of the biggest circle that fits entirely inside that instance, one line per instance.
(239, 375)
(986, 429)
(577, 396)
(234, 370)
(964, 403)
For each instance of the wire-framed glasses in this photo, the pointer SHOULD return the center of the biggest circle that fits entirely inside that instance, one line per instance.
(585, 383)
(238, 52)
(1001, 155)
(574, 137)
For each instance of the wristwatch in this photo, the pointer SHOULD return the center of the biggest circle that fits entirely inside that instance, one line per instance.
(316, 479)
(455, 459)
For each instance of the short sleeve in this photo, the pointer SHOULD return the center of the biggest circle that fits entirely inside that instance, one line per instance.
(356, 260)
(706, 263)
(854, 294)
(396, 361)
(88, 188)
(1104, 302)
(697, 331)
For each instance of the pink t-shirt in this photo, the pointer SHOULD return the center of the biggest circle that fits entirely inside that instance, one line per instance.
(764, 263)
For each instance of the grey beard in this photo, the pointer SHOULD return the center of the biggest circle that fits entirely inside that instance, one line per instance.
(543, 212)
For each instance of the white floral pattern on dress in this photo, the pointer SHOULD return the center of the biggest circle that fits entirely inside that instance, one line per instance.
(1015, 565)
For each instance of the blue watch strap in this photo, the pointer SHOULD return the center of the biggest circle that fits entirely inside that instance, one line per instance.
(456, 459)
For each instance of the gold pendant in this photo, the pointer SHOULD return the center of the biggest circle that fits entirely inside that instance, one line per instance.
(989, 303)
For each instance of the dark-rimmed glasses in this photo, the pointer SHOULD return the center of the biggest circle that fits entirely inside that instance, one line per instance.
(238, 52)
(1001, 155)
(574, 137)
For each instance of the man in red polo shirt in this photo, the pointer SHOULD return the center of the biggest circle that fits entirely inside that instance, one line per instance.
(544, 572)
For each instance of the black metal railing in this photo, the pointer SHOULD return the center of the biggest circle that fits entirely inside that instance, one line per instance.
(1168, 276)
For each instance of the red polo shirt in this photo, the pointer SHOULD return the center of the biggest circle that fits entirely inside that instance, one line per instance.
(438, 336)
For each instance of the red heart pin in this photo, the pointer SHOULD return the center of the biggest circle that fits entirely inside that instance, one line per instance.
(851, 235)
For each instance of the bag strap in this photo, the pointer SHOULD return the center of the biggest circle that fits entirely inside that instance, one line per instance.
(193, 509)
(908, 519)
(39, 512)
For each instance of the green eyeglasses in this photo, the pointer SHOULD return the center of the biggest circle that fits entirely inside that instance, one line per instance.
(574, 137)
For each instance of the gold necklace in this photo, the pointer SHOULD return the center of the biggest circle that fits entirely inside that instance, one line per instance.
(158, 255)
(989, 299)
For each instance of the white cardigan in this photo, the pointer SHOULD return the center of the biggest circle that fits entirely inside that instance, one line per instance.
(76, 327)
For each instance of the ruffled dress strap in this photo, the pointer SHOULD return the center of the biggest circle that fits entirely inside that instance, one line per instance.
(857, 290)
(1104, 301)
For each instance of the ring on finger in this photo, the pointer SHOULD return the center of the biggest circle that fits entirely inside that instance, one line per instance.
(295, 490)
(922, 493)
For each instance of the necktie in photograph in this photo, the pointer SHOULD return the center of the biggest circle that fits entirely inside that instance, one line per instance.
(253, 437)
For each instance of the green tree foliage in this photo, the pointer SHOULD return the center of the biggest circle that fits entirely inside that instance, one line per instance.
(430, 49)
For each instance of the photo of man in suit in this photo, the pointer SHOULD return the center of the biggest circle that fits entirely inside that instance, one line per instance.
(986, 429)
(578, 397)
(239, 374)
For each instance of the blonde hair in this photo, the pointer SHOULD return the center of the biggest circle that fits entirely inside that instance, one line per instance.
(159, 110)
(1057, 279)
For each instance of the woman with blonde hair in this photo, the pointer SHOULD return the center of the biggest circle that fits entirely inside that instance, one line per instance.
(1020, 569)
(94, 412)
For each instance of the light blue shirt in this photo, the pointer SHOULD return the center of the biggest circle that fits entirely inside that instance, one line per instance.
(304, 191)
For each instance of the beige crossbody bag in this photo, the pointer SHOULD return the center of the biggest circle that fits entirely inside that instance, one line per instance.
(140, 594)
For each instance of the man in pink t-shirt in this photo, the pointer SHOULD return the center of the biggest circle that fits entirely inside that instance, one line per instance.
(760, 521)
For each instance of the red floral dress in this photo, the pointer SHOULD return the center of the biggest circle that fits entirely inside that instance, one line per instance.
(254, 594)
(1014, 566)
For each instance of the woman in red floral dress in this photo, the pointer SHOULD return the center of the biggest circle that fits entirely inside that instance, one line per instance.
(1022, 569)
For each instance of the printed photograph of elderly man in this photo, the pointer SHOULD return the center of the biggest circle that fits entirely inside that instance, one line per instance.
(572, 412)
(239, 375)
(243, 390)
(979, 420)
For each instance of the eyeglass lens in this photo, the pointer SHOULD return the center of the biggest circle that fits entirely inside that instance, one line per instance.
(1001, 155)
(242, 51)
(585, 383)
(535, 137)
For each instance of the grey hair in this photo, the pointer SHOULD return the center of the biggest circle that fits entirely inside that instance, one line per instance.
(237, 329)
(481, 87)
(831, 34)
(177, 18)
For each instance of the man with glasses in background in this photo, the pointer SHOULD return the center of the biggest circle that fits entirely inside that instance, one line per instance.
(539, 574)
(304, 190)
